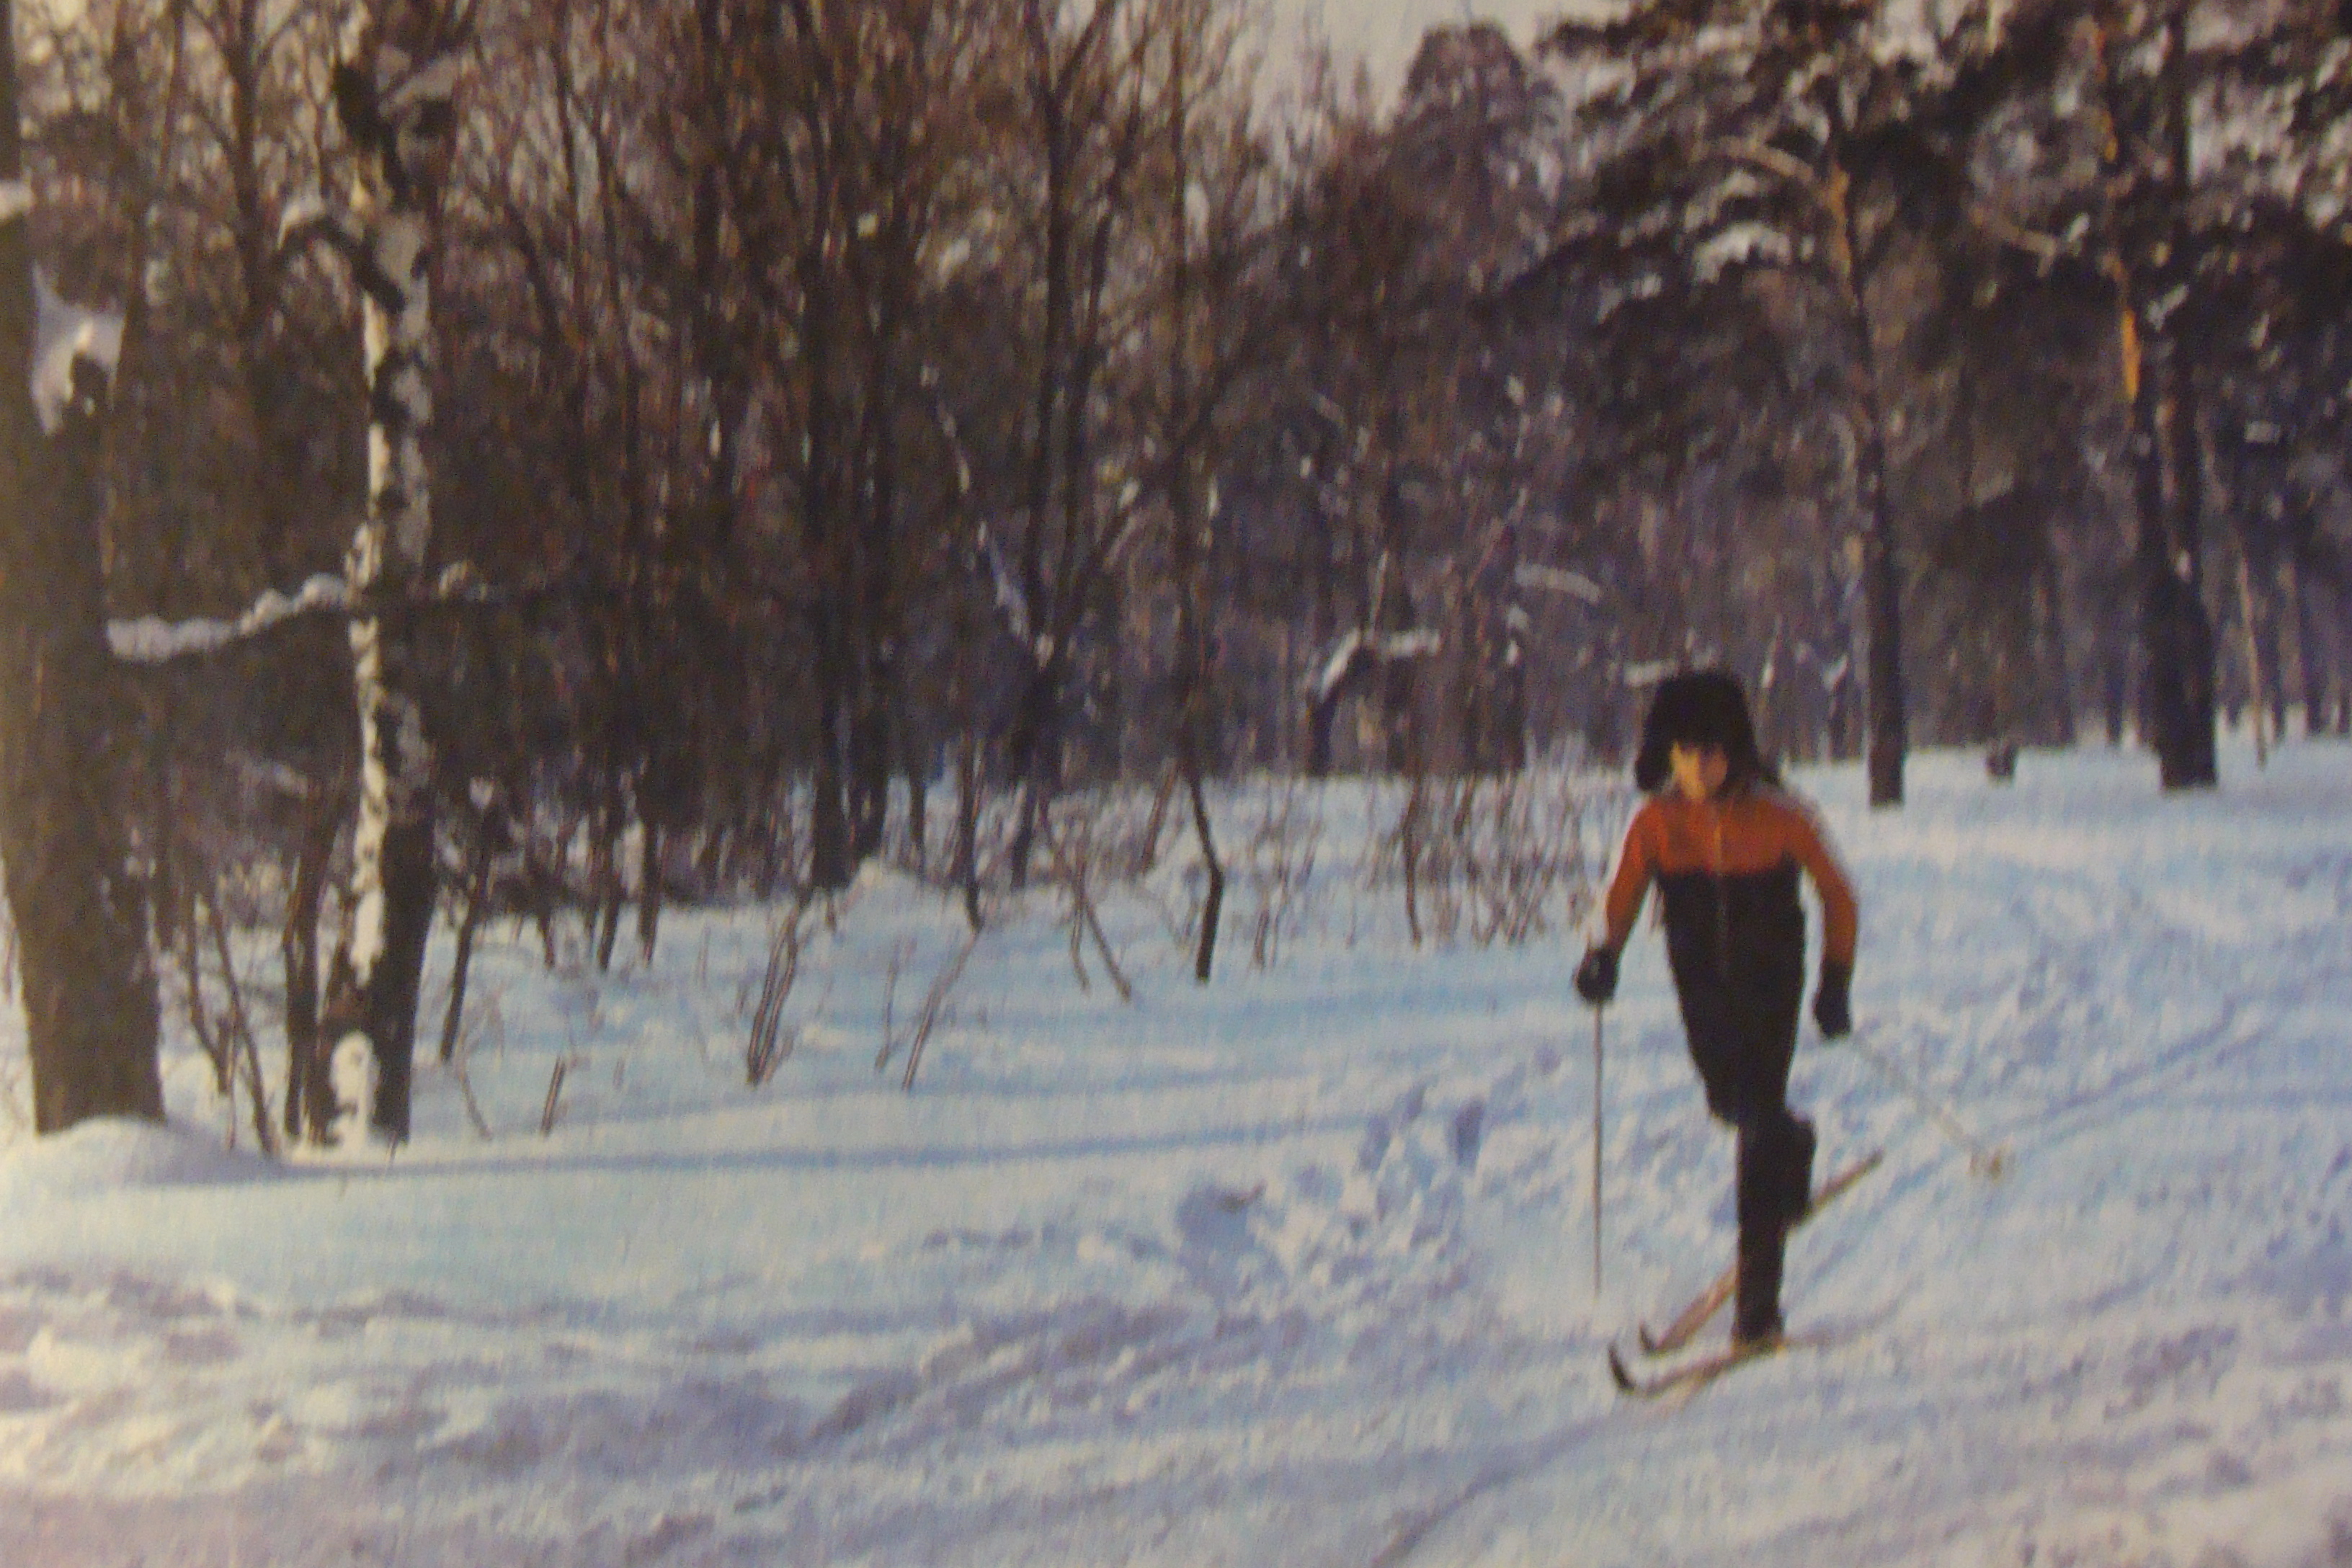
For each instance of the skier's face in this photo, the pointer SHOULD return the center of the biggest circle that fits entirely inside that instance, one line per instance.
(1699, 770)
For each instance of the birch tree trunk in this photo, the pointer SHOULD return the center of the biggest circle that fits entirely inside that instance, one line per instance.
(85, 976)
(394, 94)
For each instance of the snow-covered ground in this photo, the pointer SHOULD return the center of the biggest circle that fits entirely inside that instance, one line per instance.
(1293, 1269)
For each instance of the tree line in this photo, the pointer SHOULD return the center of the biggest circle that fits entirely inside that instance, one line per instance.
(704, 428)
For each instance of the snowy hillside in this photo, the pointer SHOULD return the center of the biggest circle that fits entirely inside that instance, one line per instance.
(1294, 1269)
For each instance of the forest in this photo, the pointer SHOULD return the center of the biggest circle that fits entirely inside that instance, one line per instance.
(559, 456)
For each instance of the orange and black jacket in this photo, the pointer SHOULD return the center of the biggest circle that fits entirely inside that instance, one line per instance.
(1726, 870)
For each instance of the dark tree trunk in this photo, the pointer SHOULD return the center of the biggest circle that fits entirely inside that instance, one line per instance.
(1036, 766)
(1398, 719)
(2177, 680)
(965, 857)
(1322, 716)
(87, 976)
(2273, 647)
(870, 782)
(650, 889)
(2177, 655)
(604, 856)
(2057, 660)
(919, 806)
(310, 1101)
(830, 862)
(469, 926)
(2307, 642)
(1882, 581)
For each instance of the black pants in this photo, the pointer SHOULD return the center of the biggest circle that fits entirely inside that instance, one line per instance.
(1742, 1029)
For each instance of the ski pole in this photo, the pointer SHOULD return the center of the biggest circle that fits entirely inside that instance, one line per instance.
(1989, 1162)
(1596, 1153)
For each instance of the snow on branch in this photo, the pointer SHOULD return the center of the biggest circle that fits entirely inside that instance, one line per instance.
(1650, 671)
(1340, 667)
(1737, 245)
(434, 81)
(149, 640)
(1771, 159)
(1360, 652)
(1011, 602)
(311, 217)
(1558, 580)
(64, 334)
(1401, 645)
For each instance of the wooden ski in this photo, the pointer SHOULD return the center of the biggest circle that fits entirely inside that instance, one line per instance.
(1690, 1374)
(1694, 1317)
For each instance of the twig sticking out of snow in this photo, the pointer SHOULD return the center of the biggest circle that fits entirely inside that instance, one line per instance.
(1075, 864)
(934, 1001)
(554, 1107)
(770, 1042)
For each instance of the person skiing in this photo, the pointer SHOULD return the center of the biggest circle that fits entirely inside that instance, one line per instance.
(1723, 842)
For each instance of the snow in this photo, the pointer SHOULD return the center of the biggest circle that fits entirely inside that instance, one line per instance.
(1358, 648)
(149, 639)
(108, 1157)
(1737, 244)
(310, 210)
(1293, 1267)
(64, 333)
(1558, 580)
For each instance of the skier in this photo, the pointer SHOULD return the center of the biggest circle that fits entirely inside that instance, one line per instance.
(1723, 842)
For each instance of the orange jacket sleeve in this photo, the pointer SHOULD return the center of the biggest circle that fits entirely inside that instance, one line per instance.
(1636, 864)
(1841, 915)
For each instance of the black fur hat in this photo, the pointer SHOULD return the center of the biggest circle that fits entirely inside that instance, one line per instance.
(1699, 708)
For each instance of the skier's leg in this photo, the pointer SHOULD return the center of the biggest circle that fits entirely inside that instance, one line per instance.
(1775, 1165)
(1756, 1309)
(1775, 1168)
(1776, 1153)
(1742, 1041)
(1715, 1049)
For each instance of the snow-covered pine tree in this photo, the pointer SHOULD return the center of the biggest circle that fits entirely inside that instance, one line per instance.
(1720, 136)
(2185, 157)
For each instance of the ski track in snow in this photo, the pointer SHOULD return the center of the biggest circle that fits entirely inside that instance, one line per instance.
(1294, 1269)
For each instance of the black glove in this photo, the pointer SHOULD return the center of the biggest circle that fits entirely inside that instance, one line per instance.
(1833, 1006)
(1596, 977)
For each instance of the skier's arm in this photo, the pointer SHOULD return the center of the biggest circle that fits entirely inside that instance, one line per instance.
(1596, 977)
(1635, 865)
(1841, 915)
(1833, 1005)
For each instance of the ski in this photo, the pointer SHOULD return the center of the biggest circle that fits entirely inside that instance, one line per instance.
(1694, 1317)
(1691, 1374)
